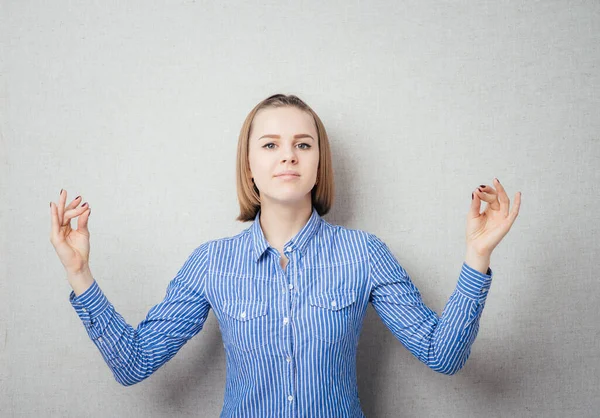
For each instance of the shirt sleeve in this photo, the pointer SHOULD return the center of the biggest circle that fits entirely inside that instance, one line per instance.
(133, 354)
(442, 343)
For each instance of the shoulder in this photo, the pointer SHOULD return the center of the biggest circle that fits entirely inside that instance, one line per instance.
(218, 245)
(358, 234)
(364, 240)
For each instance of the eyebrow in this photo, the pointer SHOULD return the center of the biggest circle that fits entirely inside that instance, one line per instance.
(279, 136)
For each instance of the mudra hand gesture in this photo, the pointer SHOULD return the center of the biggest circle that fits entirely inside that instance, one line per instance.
(485, 230)
(71, 245)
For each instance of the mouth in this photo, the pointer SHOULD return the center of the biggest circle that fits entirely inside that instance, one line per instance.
(288, 176)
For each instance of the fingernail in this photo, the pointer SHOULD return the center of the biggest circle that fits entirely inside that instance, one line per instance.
(480, 190)
(77, 197)
(60, 191)
(497, 180)
(85, 204)
(50, 204)
(472, 197)
(482, 185)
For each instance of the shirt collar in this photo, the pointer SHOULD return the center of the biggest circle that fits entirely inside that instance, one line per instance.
(299, 242)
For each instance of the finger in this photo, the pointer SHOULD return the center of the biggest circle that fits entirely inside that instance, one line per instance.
(489, 195)
(82, 221)
(502, 197)
(73, 213)
(514, 212)
(55, 230)
(73, 203)
(483, 196)
(487, 189)
(475, 205)
(61, 206)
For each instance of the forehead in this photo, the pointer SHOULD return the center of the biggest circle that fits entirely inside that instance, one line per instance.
(284, 120)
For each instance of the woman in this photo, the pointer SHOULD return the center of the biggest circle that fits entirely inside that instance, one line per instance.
(291, 291)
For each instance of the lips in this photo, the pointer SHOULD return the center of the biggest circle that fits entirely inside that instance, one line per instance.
(288, 174)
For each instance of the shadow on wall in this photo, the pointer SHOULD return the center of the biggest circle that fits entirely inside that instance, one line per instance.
(197, 378)
(493, 376)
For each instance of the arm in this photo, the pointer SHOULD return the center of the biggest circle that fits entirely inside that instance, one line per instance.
(444, 344)
(134, 354)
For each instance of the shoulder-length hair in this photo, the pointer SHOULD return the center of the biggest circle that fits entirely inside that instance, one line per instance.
(248, 195)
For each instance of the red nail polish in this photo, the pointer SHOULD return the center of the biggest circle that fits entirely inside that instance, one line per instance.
(85, 204)
(472, 197)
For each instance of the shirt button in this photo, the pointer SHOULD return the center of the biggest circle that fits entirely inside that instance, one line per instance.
(290, 398)
(288, 359)
(289, 249)
(484, 290)
(243, 314)
(285, 320)
(333, 303)
(84, 310)
(291, 286)
(100, 339)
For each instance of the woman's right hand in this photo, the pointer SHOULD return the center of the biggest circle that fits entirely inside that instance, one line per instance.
(71, 245)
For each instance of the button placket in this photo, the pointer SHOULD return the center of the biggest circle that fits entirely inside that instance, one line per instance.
(288, 276)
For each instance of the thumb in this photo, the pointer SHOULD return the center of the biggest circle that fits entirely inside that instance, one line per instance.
(82, 222)
(475, 206)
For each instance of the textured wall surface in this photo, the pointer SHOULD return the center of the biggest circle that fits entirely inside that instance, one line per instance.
(137, 107)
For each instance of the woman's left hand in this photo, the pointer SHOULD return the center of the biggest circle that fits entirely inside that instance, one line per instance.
(485, 230)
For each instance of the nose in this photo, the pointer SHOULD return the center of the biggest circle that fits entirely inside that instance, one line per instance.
(289, 155)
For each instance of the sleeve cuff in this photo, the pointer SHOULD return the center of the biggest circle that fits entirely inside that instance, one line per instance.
(473, 283)
(90, 306)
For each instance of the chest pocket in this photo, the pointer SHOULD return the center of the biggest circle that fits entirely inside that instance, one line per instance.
(329, 314)
(246, 324)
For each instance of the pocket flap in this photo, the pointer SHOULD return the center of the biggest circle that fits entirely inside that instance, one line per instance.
(245, 310)
(335, 300)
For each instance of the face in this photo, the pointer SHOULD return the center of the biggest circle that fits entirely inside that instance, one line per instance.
(283, 139)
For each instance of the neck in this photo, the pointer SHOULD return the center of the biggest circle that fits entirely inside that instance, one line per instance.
(281, 223)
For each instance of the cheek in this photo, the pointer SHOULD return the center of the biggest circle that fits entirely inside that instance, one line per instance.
(315, 162)
(261, 169)
(255, 161)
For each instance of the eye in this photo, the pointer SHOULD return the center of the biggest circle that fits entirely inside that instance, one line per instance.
(305, 145)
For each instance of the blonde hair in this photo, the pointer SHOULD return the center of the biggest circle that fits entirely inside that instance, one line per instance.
(248, 195)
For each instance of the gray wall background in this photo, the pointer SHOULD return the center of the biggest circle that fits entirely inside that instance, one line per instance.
(137, 107)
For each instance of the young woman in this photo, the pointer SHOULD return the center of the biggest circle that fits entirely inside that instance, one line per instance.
(290, 292)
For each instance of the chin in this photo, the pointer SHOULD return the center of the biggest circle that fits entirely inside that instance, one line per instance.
(291, 197)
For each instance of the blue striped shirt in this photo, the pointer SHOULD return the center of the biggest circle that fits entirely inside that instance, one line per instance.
(290, 335)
